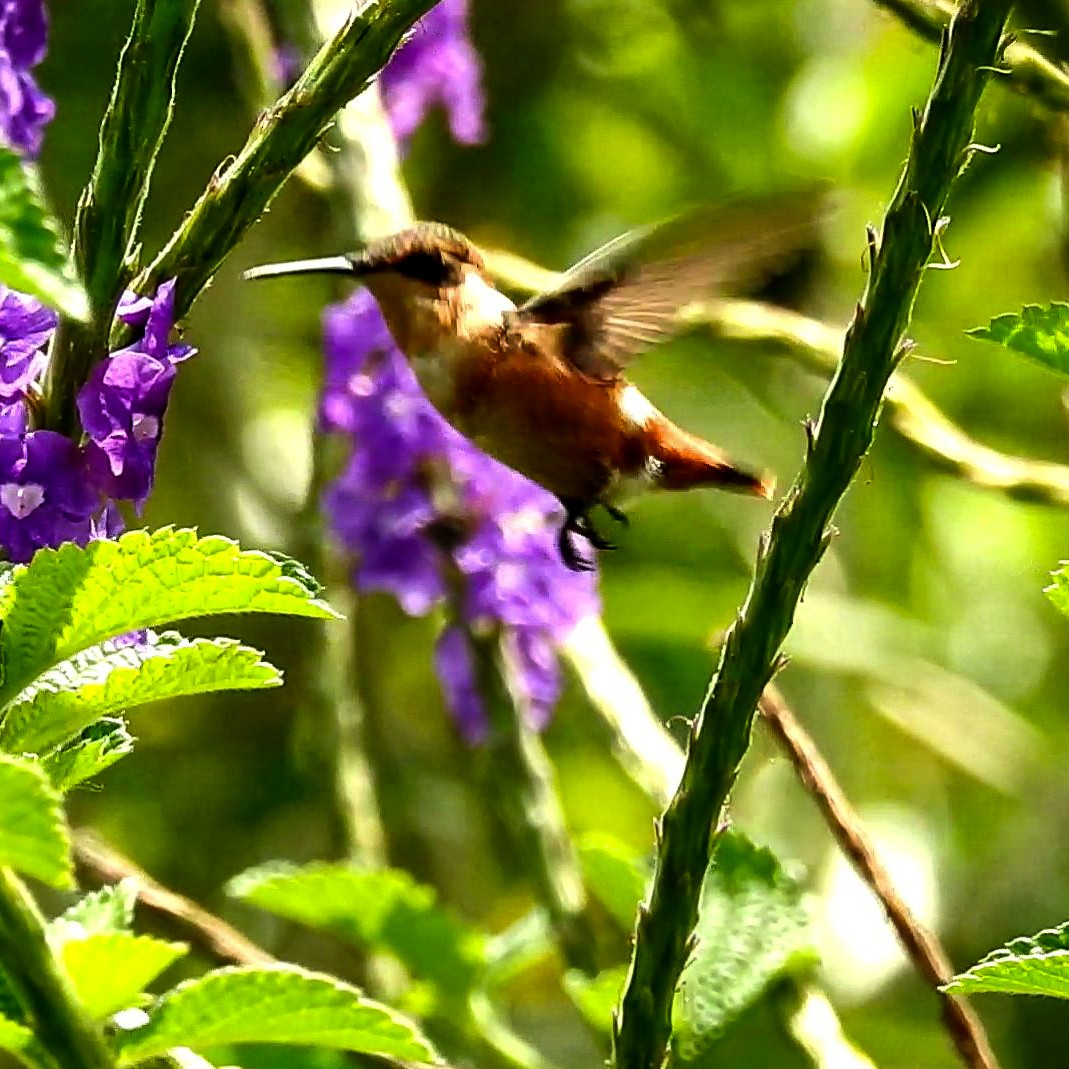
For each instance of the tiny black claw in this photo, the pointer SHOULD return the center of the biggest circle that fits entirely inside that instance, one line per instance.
(577, 521)
(618, 515)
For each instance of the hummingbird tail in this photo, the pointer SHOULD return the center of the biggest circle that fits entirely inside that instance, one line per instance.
(687, 461)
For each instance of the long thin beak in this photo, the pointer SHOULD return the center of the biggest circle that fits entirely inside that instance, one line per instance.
(325, 265)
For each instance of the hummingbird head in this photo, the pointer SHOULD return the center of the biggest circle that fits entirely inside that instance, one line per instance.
(423, 278)
(429, 255)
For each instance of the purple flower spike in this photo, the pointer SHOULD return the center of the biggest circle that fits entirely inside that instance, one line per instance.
(25, 328)
(24, 109)
(123, 403)
(384, 511)
(456, 673)
(436, 65)
(45, 498)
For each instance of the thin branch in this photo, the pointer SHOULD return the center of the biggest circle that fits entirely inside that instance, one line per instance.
(98, 863)
(1030, 71)
(912, 414)
(655, 762)
(801, 532)
(924, 950)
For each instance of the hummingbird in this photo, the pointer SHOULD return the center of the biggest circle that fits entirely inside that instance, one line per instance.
(541, 386)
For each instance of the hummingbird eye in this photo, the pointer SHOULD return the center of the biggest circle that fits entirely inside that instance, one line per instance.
(434, 268)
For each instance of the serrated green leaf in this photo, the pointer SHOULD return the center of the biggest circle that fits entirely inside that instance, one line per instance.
(34, 838)
(1029, 965)
(596, 996)
(615, 875)
(378, 909)
(111, 909)
(32, 257)
(71, 598)
(752, 928)
(281, 1004)
(66, 699)
(110, 970)
(97, 748)
(1039, 333)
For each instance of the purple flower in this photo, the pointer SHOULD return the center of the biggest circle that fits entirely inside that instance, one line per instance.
(45, 497)
(123, 403)
(436, 65)
(26, 325)
(384, 508)
(24, 109)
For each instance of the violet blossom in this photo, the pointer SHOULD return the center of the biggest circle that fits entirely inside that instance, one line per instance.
(52, 488)
(24, 108)
(437, 64)
(25, 328)
(123, 403)
(384, 510)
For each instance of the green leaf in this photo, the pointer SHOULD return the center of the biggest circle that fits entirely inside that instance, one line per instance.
(110, 970)
(66, 699)
(1030, 965)
(1058, 591)
(615, 874)
(752, 928)
(97, 748)
(596, 996)
(379, 909)
(68, 599)
(1039, 333)
(34, 838)
(32, 257)
(14, 1037)
(282, 1004)
(111, 909)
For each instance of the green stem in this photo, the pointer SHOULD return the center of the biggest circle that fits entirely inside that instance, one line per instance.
(285, 133)
(800, 532)
(109, 210)
(524, 781)
(61, 1023)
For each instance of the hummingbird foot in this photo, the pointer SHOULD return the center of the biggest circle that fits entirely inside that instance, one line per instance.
(618, 515)
(577, 521)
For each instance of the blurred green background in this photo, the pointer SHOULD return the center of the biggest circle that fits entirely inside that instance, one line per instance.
(925, 659)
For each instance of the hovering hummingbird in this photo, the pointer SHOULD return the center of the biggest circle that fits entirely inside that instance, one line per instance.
(541, 386)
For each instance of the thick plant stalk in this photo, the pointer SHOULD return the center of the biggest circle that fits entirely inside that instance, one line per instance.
(109, 210)
(61, 1024)
(284, 134)
(800, 532)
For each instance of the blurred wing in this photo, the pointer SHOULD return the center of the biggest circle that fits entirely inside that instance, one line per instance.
(626, 297)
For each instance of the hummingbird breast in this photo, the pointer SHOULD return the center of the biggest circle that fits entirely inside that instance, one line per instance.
(538, 415)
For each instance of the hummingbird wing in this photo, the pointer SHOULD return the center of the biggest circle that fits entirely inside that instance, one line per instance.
(626, 296)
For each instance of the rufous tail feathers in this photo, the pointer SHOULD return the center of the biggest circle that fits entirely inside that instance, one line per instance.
(687, 461)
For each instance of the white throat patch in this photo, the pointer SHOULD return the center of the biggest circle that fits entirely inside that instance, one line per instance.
(480, 304)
